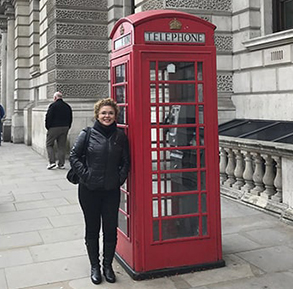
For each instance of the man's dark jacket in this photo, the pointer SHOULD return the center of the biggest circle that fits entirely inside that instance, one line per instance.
(2, 112)
(59, 114)
(107, 159)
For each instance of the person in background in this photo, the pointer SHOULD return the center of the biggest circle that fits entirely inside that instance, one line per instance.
(105, 170)
(2, 116)
(58, 122)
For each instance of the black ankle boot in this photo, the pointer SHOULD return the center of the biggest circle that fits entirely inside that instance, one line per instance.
(96, 276)
(109, 274)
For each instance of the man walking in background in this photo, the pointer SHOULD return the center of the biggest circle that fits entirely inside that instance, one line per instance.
(58, 122)
(2, 115)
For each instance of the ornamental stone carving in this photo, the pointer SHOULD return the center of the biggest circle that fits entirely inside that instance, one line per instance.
(224, 42)
(84, 45)
(97, 75)
(205, 17)
(153, 5)
(89, 4)
(88, 60)
(225, 83)
(82, 15)
(90, 90)
(81, 30)
(221, 5)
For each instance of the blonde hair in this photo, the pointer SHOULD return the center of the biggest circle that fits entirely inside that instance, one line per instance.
(105, 102)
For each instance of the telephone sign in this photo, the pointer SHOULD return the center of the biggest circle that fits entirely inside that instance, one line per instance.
(174, 37)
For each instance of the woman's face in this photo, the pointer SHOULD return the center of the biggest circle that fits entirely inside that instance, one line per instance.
(106, 115)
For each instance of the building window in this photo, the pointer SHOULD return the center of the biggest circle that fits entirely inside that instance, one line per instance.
(282, 15)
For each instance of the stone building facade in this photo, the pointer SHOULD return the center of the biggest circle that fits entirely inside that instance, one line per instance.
(63, 45)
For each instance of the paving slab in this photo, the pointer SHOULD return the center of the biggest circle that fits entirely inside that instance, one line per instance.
(19, 240)
(235, 269)
(251, 222)
(55, 251)
(39, 188)
(7, 206)
(125, 282)
(28, 197)
(64, 210)
(24, 226)
(48, 203)
(271, 236)
(233, 243)
(15, 257)
(67, 220)
(28, 214)
(57, 285)
(3, 284)
(271, 259)
(237, 210)
(6, 196)
(62, 234)
(282, 280)
(47, 272)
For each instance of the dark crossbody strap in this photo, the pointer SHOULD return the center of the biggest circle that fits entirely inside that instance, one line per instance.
(86, 141)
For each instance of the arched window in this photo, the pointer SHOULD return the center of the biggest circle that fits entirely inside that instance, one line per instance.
(282, 15)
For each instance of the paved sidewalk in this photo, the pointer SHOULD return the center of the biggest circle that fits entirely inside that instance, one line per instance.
(41, 237)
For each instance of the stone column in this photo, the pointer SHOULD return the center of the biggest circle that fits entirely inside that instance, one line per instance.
(258, 175)
(230, 169)
(239, 169)
(3, 27)
(247, 174)
(9, 12)
(21, 68)
(278, 197)
(223, 165)
(268, 178)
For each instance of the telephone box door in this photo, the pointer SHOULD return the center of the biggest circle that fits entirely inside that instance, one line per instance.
(181, 160)
(120, 93)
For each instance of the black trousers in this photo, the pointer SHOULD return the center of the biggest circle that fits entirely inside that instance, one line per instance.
(100, 206)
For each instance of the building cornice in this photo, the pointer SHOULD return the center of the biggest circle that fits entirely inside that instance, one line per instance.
(269, 41)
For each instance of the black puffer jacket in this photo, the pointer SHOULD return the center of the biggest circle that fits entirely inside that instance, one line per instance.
(107, 159)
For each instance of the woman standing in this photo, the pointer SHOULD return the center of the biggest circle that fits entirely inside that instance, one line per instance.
(105, 170)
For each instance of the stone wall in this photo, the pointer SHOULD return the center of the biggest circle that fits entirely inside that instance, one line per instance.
(262, 64)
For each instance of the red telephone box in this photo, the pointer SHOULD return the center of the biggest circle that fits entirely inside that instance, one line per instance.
(163, 77)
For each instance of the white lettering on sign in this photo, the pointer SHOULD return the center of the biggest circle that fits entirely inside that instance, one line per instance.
(174, 37)
(123, 41)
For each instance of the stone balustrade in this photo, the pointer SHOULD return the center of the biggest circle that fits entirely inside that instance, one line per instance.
(259, 173)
